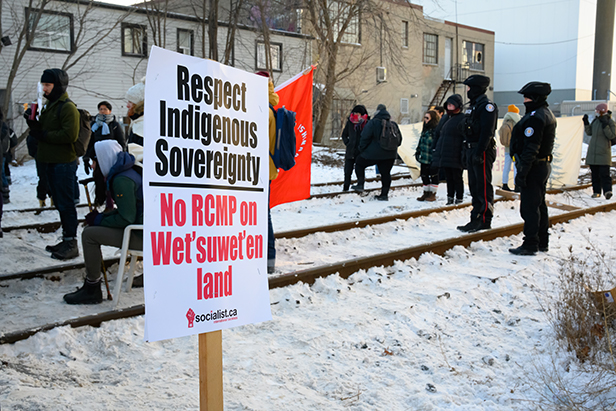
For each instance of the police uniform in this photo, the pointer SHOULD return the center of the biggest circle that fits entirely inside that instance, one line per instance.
(532, 141)
(479, 152)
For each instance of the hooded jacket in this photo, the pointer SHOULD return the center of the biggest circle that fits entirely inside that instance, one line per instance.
(448, 142)
(352, 133)
(123, 182)
(599, 151)
(61, 127)
(504, 133)
(369, 146)
(273, 100)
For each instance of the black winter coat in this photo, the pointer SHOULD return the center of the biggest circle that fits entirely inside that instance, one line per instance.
(447, 142)
(350, 137)
(369, 147)
(115, 133)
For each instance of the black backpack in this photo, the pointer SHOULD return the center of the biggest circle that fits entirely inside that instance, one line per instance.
(391, 138)
(83, 139)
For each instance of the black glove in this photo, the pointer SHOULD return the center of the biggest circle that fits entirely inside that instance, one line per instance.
(520, 180)
(585, 119)
(38, 134)
(27, 113)
(86, 165)
(417, 155)
(605, 120)
(93, 218)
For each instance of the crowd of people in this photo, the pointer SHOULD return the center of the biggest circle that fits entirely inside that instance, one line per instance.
(453, 138)
(456, 137)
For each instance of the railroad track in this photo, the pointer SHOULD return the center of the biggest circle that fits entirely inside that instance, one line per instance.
(347, 225)
(55, 225)
(343, 268)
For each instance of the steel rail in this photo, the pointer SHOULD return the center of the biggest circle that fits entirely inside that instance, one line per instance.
(344, 269)
(506, 196)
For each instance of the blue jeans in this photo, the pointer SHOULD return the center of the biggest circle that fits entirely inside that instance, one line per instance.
(62, 184)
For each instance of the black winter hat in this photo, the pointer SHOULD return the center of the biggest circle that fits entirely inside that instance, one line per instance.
(536, 88)
(456, 100)
(477, 80)
(59, 78)
(361, 109)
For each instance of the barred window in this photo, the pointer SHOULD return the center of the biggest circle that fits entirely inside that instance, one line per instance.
(430, 49)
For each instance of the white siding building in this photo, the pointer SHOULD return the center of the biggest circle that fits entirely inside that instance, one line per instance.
(106, 48)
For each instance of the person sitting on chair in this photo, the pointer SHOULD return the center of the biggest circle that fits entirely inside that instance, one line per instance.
(124, 181)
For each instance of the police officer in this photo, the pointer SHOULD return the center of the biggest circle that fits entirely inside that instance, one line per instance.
(532, 141)
(479, 150)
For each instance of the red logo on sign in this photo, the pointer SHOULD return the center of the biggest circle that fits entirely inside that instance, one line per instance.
(190, 315)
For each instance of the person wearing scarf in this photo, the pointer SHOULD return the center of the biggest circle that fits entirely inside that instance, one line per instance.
(350, 136)
(104, 127)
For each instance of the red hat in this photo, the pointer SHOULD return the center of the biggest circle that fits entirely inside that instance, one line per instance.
(262, 73)
(601, 107)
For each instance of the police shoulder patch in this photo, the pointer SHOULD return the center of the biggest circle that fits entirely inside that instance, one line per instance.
(490, 107)
(529, 131)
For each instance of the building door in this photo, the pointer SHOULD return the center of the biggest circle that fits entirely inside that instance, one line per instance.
(448, 43)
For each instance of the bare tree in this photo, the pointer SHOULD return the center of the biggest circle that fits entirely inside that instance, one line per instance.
(90, 35)
(25, 37)
(156, 12)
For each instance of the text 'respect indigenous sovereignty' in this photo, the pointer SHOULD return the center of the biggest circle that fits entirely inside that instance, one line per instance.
(198, 122)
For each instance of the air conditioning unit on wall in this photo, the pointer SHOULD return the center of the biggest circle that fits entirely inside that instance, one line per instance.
(381, 74)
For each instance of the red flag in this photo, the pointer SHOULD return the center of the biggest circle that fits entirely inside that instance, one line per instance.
(294, 184)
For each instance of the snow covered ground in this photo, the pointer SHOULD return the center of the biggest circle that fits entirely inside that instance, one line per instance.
(461, 332)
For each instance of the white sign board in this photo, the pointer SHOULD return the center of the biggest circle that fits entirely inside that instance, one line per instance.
(205, 189)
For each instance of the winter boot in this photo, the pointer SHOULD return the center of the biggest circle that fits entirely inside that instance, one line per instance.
(608, 195)
(357, 187)
(450, 200)
(506, 188)
(596, 195)
(459, 201)
(382, 197)
(42, 204)
(423, 197)
(523, 250)
(53, 248)
(68, 249)
(474, 226)
(431, 196)
(90, 293)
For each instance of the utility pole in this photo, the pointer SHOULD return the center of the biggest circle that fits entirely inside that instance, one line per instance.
(604, 39)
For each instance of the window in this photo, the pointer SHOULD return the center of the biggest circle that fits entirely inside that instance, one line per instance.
(404, 106)
(430, 49)
(185, 42)
(405, 34)
(54, 31)
(275, 51)
(339, 13)
(472, 55)
(134, 40)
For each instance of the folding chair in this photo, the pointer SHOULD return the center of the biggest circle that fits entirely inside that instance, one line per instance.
(124, 252)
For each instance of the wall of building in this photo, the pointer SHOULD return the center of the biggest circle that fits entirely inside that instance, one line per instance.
(535, 41)
(408, 77)
(105, 74)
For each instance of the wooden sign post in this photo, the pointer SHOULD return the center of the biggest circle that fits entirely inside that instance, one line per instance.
(210, 371)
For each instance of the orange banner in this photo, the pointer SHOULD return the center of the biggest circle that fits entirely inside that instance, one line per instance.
(294, 184)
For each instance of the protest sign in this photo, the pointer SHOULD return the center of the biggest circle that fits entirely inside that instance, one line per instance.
(205, 189)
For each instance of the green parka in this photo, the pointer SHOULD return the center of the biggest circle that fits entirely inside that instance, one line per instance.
(600, 147)
(61, 132)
